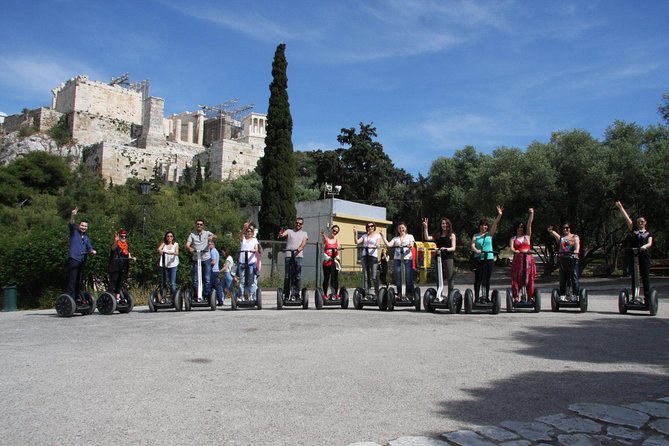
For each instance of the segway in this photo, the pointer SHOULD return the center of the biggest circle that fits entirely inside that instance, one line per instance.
(363, 295)
(159, 298)
(433, 299)
(398, 297)
(568, 300)
(295, 297)
(633, 299)
(493, 304)
(334, 298)
(83, 304)
(525, 302)
(237, 300)
(196, 298)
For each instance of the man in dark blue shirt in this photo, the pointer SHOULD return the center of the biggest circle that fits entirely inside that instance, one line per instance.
(80, 246)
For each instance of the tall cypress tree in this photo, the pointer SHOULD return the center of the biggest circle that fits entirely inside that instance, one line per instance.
(278, 166)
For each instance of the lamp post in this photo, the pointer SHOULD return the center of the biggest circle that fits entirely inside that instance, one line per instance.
(145, 189)
(331, 191)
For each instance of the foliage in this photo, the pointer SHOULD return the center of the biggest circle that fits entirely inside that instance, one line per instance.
(61, 133)
(277, 167)
(663, 109)
(24, 132)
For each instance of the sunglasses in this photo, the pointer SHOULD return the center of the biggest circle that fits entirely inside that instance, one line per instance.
(370, 226)
(334, 231)
(566, 227)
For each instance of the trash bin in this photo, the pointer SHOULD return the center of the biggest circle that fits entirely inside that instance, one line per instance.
(9, 302)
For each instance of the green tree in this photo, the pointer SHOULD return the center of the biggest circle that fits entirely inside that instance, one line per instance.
(198, 176)
(663, 109)
(277, 167)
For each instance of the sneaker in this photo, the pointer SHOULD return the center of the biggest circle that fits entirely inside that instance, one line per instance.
(219, 304)
(326, 297)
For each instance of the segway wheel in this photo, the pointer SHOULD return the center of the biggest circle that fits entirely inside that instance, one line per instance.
(65, 305)
(653, 304)
(106, 303)
(452, 301)
(458, 300)
(152, 298)
(90, 301)
(233, 300)
(357, 296)
(416, 299)
(428, 297)
(622, 302)
(258, 298)
(537, 300)
(496, 302)
(305, 298)
(187, 300)
(555, 300)
(279, 298)
(382, 298)
(130, 302)
(318, 298)
(343, 293)
(469, 301)
(212, 300)
(583, 300)
(177, 301)
(509, 300)
(390, 299)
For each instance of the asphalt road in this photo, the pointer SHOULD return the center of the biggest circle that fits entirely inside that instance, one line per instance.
(308, 377)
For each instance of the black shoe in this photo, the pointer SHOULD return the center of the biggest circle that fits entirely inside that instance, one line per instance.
(219, 304)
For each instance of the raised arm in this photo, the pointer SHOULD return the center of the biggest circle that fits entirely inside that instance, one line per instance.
(500, 210)
(628, 220)
(323, 236)
(552, 232)
(530, 219)
(73, 214)
(426, 236)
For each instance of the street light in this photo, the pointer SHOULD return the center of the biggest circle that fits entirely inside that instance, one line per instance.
(332, 191)
(145, 189)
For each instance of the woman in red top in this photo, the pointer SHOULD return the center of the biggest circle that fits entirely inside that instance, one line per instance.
(521, 243)
(330, 242)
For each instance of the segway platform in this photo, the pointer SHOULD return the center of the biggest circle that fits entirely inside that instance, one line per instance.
(332, 300)
(237, 301)
(293, 300)
(569, 300)
(525, 302)
(452, 302)
(107, 303)
(492, 305)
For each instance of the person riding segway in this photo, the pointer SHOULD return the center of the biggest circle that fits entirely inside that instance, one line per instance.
(368, 251)
(445, 240)
(569, 294)
(404, 294)
(76, 299)
(481, 262)
(331, 267)
(638, 242)
(118, 297)
(201, 294)
(291, 294)
(169, 261)
(522, 293)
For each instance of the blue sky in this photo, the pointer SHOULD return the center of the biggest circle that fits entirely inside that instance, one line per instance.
(432, 75)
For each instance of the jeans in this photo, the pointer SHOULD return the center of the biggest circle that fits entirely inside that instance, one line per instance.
(227, 284)
(286, 276)
(371, 263)
(252, 280)
(217, 286)
(206, 277)
(408, 275)
(170, 278)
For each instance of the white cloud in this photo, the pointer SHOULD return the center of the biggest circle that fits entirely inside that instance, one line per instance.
(38, 75)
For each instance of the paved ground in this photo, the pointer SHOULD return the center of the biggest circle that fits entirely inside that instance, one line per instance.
(320, 377)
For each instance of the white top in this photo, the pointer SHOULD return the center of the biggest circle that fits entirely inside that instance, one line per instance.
(405, 241)
(171, 260)
(371, 243)
(248, 245)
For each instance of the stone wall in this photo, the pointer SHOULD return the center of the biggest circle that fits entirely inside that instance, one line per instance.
(40, 118)
(231, 159)
(118, 162)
